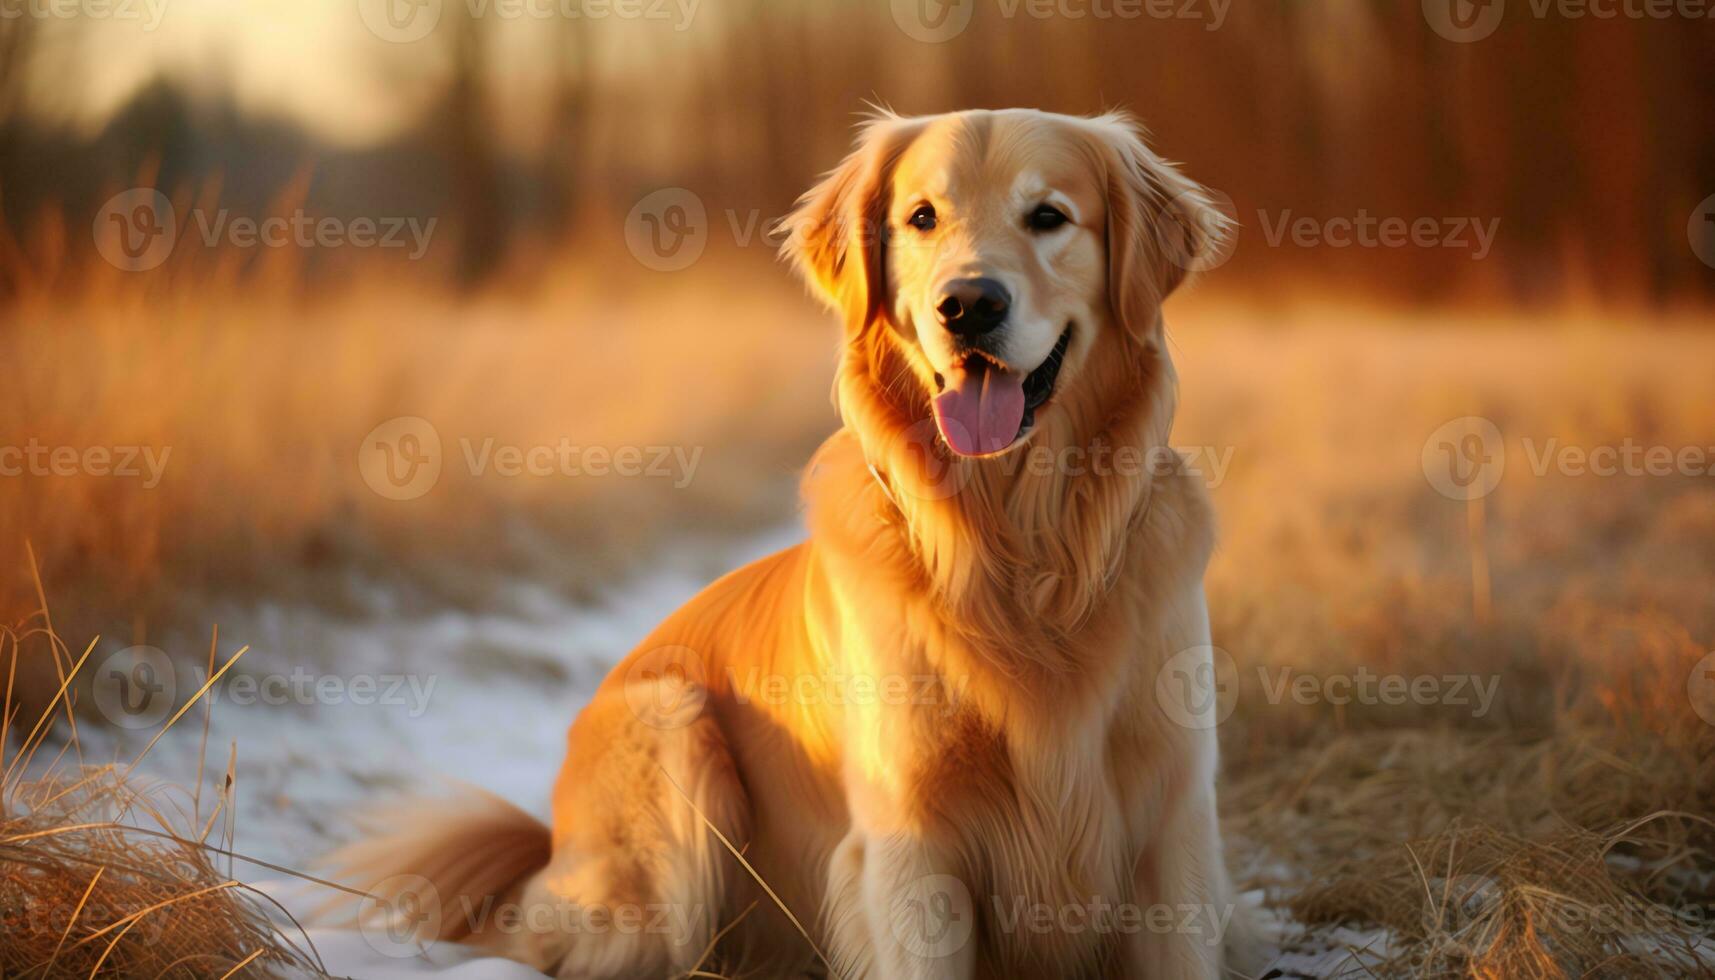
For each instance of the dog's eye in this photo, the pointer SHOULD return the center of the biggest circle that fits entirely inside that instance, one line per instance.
(922, 219)
(1046, 217)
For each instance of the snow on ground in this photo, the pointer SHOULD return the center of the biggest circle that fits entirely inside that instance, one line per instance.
(330, 714)
(336, 713)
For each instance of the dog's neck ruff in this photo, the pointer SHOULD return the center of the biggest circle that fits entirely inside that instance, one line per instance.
(1017, 559)
(1017, 562)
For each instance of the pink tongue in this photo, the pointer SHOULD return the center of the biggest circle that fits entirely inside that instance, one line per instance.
(981, 409)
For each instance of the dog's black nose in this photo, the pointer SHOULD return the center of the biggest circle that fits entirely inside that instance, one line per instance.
(970, 307)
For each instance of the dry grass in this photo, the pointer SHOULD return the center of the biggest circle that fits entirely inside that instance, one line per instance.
(1476, 901)
(261, 399)
(1582, 794)
(103, 875)
(90, 894)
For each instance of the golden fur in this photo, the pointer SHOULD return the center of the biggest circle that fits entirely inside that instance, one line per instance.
(945, 702)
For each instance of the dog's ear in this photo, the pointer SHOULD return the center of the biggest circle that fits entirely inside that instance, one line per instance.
(1162, 225)
(836, 233)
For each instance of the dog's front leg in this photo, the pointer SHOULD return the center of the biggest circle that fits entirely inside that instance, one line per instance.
(1182, 874)
(896, 914)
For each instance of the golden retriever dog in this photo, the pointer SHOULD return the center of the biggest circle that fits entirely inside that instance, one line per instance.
(941, 738)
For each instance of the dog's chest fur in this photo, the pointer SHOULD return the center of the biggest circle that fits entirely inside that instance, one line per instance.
(1050, 856)
(1035, 816)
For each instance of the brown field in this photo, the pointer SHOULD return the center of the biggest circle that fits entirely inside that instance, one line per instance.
(1585, 785)
(1478, 836)
(261, 402)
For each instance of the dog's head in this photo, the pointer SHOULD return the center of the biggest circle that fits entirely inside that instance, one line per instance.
(995, 257)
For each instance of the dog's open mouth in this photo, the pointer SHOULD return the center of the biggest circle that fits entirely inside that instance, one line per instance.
(985, 409)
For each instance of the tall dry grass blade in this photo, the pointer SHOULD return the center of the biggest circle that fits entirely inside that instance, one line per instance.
(1477, 531)
(27, 750)
(1354, 955)
(219, 808)
(207, 719)
(241, 965)
(751, 870)
(48, 621)
(175, 838)
(230, 789)
(696, 969)
(11, 676)
(95, 970)
(187, 706)
(1625, 833)
(1415, 863)
(48, 971)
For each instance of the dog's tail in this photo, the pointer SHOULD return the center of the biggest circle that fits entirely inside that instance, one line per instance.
(444, 866)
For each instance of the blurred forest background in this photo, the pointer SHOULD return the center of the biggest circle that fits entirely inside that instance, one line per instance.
(526, 135)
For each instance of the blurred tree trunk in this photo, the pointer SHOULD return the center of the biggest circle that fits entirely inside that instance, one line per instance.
(1680, 75)
(781, 94)
(1546, 176)
(476, 193)
(16, 33)
(15, 36)
(568, 140)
